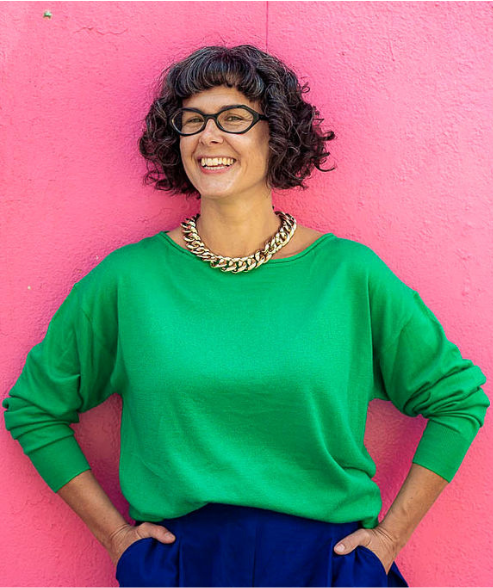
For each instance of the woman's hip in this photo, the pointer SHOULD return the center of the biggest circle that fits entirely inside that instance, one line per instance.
(231, 545)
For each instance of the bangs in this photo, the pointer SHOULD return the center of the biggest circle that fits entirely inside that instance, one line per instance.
(216, 66)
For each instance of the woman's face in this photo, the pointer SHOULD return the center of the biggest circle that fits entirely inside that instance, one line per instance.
(247, 176)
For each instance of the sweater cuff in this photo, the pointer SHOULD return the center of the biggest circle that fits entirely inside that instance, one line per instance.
(59, 462)
(442, 449)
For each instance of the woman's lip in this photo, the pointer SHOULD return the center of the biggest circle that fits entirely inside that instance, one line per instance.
(216, 171)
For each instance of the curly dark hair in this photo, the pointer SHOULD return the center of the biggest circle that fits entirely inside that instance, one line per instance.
(296, 143)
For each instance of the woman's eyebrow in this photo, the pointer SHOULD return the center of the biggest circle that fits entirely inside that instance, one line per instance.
(225, 106)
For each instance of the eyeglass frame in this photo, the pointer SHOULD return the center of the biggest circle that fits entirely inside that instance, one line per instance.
(256, 118)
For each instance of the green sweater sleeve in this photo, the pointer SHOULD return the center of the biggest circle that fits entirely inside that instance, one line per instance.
(68, 372)
(422, 372)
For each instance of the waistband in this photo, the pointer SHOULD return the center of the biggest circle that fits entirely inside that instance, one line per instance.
(218, 513)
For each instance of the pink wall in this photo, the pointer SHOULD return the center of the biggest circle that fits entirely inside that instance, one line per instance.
(408, 89)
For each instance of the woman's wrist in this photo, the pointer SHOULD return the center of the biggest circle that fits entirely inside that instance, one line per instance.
(419, 491)
(88, 500)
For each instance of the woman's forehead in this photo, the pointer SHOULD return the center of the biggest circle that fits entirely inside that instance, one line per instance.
(216, 98)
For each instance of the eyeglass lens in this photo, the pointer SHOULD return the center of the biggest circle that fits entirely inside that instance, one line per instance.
(233, 120)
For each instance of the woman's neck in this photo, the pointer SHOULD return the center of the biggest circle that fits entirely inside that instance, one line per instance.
(237, 232)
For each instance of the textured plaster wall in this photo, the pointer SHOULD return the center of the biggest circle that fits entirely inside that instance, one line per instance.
(408, 89)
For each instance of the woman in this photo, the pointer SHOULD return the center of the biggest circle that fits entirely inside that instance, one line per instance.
(246, 349)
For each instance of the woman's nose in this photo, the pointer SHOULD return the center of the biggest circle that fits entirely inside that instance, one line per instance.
(211, 130)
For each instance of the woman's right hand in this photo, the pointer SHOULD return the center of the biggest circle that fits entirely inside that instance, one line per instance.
(128, 534)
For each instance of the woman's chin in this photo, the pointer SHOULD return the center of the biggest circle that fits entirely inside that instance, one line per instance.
(214, 191)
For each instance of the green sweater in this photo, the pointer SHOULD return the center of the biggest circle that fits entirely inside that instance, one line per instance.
(250, 388)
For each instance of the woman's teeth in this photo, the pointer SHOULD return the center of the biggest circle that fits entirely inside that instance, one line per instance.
(216, 162)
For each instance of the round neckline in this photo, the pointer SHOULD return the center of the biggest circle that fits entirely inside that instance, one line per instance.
(291, 258)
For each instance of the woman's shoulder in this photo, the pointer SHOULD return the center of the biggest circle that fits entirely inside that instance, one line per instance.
(360, 259)
(124, 260)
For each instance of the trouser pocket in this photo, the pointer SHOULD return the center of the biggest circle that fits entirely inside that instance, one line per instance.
(148, 562)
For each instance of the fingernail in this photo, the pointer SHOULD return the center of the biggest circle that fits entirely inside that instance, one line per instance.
(340, 547)
(169, 536)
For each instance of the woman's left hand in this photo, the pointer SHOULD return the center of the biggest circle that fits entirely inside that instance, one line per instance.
(378, 540)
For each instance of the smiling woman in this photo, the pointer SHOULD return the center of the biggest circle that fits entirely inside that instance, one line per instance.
(243, 108)
(246, 350)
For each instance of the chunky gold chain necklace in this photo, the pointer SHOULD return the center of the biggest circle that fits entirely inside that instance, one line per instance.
(239, 264)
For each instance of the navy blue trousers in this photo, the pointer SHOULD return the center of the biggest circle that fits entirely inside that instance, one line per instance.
(229, 545)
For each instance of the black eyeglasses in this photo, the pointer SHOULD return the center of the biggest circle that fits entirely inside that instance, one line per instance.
(236, 119)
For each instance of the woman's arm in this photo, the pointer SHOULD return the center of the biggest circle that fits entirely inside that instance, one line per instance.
(420, 490)
(86, 497)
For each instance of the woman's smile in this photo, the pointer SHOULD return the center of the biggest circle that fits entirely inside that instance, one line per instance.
(216, 169)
